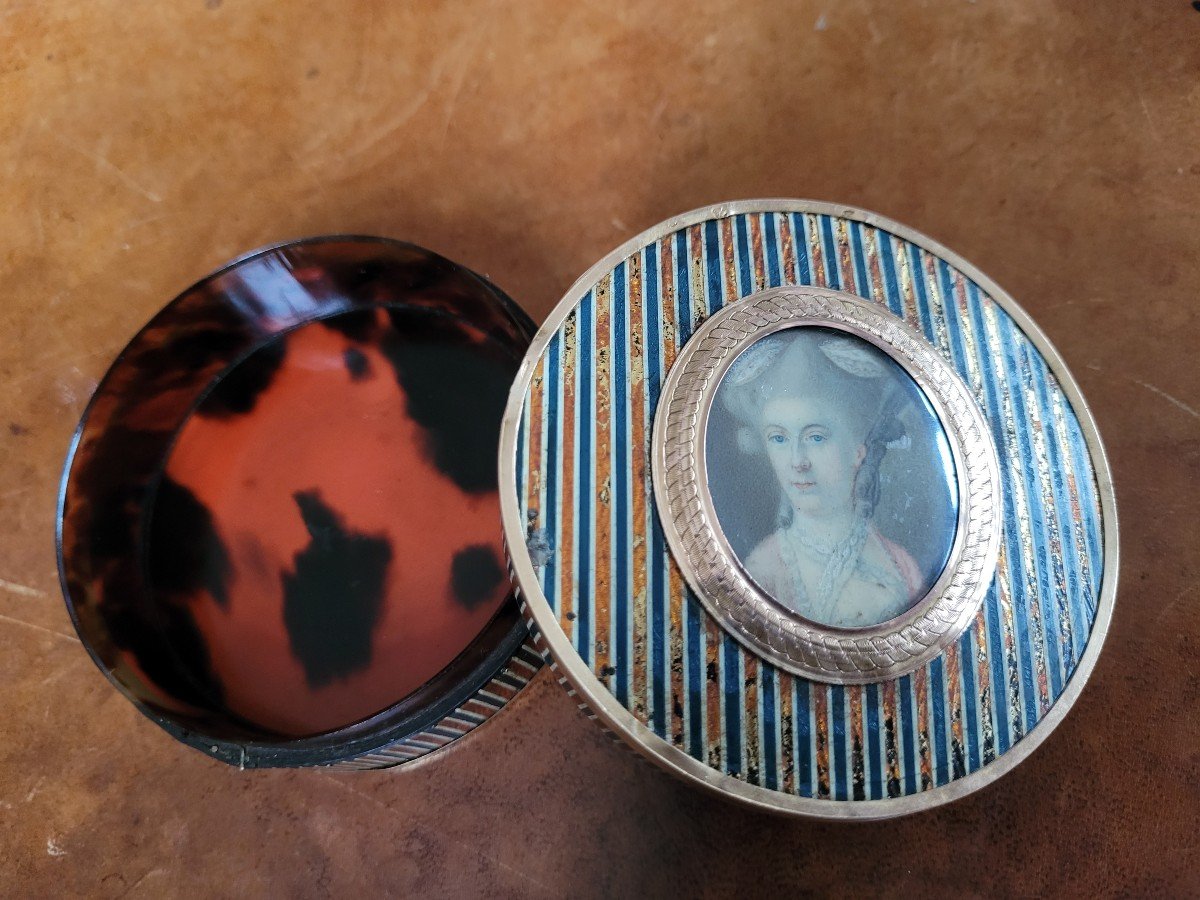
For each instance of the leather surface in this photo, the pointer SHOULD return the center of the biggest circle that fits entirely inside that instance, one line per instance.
(142, 144)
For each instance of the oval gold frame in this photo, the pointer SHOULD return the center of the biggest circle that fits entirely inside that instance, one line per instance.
(698, 544)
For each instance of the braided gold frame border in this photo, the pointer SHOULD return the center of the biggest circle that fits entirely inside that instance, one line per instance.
(795, 644)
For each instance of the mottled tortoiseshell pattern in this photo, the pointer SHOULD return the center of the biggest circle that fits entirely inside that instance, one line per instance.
(135, 610)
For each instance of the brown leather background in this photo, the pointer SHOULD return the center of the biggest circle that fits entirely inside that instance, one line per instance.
(1057, 146)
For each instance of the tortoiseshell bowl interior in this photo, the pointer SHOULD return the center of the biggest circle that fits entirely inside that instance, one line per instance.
(279, 530)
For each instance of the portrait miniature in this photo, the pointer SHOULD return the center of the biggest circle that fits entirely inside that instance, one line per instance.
(831, 477)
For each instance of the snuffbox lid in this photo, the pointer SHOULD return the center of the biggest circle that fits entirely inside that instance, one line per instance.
(807, 510)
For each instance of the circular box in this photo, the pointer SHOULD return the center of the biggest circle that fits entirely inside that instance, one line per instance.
(278, 527)
(623, 608)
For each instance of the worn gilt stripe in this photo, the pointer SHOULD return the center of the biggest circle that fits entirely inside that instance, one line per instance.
(936, 304)
(675, 590)
(921, 691)
(728, 254)
(845, 264)
(1016, 685)
(697, 275)
(958, 747)
(787, 246)
(758, 254)
(640, 490)
(904, 276)
(983, 681)
(816, 255)
(602, 485)
(750, 723)
(878, 291)
(565, 542)
(787, 729)
(891, 746)
(820, 713)
(858, 755)
(534, 454)
(714, 726)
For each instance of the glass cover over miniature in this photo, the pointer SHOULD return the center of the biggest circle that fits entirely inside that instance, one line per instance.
(831, 477)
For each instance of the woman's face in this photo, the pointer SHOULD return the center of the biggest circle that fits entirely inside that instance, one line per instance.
(813, 452)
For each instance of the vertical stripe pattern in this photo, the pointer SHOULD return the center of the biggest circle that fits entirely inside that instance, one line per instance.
(482, 705)
(584, 457)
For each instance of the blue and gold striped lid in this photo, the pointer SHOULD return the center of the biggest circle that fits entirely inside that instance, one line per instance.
(612, 612)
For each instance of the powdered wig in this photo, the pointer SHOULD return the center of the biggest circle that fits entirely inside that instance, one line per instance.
(857, 379)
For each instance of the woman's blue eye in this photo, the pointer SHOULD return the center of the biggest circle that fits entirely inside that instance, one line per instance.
(777, 439)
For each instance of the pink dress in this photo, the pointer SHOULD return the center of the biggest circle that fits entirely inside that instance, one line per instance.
(767, 567)
(905, 564)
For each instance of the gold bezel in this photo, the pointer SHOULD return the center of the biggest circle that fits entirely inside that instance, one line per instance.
(699, 546)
